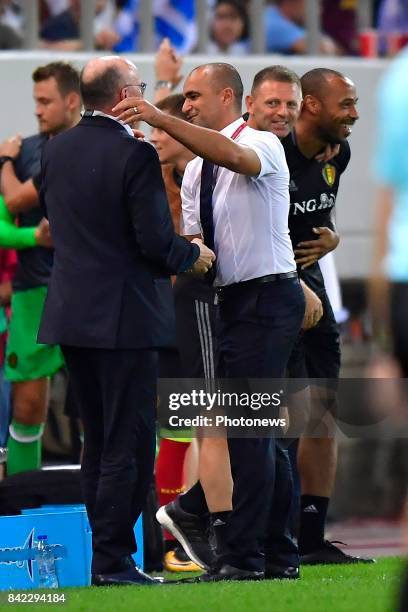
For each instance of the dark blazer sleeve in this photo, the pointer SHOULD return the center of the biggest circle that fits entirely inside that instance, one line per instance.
(37, 181)
(150, 213)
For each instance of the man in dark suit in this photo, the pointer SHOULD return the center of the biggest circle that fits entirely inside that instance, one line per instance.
(109, 302)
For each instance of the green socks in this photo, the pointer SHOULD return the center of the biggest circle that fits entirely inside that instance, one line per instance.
(24, 447)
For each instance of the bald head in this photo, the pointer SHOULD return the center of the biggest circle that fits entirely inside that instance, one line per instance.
(223, 76)
(102, 80)
(318, 81)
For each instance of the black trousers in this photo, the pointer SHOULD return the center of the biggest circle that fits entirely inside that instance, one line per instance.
(256, 330)
(280, 546)
(116, 395)
(195, 326)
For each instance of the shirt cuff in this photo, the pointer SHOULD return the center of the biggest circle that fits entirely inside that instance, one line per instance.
(191, 230)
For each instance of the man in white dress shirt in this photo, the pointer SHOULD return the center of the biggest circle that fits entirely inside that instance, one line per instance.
(261, 301)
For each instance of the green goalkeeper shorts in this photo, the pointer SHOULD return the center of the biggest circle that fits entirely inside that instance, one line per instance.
(25, 359)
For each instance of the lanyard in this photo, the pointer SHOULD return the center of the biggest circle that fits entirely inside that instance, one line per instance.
(239, 129)
(234, 136)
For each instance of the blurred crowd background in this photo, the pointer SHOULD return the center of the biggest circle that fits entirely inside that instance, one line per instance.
(345, 27)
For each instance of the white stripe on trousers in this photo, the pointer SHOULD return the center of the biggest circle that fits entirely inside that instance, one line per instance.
(206, 341)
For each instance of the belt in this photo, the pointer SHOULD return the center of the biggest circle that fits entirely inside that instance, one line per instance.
(268, 278)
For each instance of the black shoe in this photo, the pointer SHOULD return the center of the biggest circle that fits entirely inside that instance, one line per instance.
(227, 572)
(133, 576)
(190, 530)
(279, 572)
(329, 554)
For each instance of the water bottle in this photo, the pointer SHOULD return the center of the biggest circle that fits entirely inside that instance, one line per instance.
(46, 564)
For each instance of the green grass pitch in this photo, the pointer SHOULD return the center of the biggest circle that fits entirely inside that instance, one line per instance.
(360, 588)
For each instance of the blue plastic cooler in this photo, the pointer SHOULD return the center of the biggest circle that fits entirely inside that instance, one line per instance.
(69, 534)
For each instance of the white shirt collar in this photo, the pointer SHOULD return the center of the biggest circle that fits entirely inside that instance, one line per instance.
(97, 113)
(230, 129)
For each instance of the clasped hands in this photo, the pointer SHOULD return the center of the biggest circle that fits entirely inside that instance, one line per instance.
(205, 259)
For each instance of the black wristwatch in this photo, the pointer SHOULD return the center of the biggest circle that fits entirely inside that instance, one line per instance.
(6, 158)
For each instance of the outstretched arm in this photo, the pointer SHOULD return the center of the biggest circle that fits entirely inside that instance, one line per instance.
(206, 143)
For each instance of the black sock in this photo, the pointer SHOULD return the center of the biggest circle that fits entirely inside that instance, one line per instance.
(219, 524)
(220, 518)
(313, 512)
(193, 501)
